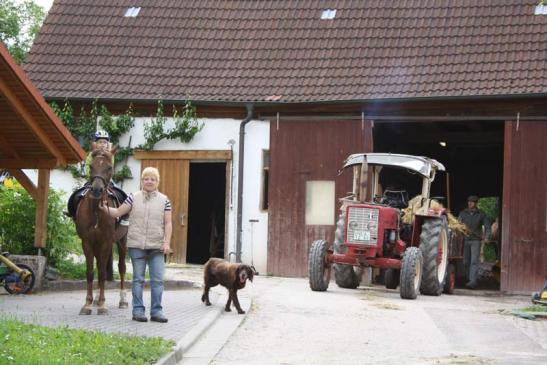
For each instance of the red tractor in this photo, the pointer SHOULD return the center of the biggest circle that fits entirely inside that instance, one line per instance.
(371, 232)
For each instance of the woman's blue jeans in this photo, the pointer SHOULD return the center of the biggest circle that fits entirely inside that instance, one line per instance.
(156, 267)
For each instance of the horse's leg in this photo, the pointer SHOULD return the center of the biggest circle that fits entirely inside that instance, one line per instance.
(122, 251)
(110, 268)
(86, 309)
(109, 276)
(102, 261)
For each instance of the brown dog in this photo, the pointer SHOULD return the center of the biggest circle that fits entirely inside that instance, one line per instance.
(232, 276)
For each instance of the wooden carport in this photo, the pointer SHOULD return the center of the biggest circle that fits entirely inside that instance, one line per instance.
(31, 137)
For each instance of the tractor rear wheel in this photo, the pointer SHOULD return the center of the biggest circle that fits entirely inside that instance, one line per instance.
(434, 247)
(318, 267)
(346, 276)
(450, 279)
(392, 278)
(411, 273)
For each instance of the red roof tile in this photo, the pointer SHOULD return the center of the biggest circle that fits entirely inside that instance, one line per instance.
(281, 51)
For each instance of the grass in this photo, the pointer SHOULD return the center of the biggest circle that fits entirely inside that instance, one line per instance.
(535, 308)
(68, 269)
(32, 344)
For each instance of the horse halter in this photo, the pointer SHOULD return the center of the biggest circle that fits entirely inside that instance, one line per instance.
(98, 177)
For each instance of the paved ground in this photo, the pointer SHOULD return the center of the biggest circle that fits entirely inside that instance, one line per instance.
(287, 323)
(290, 324)
(188, 317)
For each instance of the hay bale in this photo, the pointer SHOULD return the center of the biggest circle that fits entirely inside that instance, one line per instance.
(415, 204)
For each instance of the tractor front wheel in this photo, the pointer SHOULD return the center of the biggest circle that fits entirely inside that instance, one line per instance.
(318, 267)
(434, 247)
(411, 273)
(346, 276)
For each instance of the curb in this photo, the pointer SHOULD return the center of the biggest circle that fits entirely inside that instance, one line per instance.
(175, 356)
(68, 285)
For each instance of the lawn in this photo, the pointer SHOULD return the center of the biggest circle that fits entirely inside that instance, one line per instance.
(24, 344)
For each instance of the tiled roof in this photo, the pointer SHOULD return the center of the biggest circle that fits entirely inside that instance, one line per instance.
(32, 136)
(282, 51)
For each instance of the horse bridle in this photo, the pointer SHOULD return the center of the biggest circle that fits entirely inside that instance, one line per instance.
(98, 177)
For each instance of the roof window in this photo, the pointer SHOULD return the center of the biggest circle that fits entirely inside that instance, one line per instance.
(328, 14)
(541, 9)
(132, 12)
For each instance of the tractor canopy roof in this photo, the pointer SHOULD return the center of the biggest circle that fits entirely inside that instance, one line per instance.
(422, 165)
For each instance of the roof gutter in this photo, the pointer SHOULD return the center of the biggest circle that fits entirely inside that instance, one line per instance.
(241, 154)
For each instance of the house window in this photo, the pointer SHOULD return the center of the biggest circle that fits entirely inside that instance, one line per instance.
(320, 202)
(265, 179)
(132, 12)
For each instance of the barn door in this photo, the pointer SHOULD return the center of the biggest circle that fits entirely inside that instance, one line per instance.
(174, 183)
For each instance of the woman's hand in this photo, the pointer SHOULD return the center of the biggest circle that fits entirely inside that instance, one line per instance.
(166, 248)
(103, 205)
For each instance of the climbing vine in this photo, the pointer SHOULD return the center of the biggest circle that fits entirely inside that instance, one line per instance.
(185, 127)
(83, 125)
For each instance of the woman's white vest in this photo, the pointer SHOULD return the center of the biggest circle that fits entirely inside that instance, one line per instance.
(146, 221)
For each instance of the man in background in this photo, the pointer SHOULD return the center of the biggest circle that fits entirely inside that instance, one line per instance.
(475, 221)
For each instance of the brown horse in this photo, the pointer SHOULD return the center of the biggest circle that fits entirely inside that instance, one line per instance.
(98, 232)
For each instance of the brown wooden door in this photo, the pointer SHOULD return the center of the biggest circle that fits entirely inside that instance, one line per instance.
(174, 176)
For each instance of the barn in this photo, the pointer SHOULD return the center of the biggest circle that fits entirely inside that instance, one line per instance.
(462, 82)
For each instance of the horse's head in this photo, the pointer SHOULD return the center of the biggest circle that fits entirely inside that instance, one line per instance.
(100, 172)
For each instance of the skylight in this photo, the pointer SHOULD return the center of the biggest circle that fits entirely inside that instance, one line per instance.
(541, 9)
(328, 14)
(132, 11)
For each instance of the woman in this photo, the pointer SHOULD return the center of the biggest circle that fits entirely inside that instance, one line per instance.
(148, 239)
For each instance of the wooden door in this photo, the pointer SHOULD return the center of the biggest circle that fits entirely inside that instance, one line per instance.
(174, 176)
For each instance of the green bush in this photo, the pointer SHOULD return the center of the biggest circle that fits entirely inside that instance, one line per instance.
(17, 224)
(489, 206)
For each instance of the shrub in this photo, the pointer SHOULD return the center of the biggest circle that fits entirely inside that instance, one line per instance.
(17, 224)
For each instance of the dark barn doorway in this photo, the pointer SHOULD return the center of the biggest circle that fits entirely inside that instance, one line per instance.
(206, 211)
(471, 151)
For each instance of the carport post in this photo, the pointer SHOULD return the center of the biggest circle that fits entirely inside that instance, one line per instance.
(40, 232)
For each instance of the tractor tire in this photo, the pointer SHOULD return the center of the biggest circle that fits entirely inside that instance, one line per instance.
(318, 268)
(434, 247)
(411, 273)
(392, 278)
(344, 275)
(450, 279)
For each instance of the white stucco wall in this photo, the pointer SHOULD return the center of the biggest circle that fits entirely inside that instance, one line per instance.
(254, 247)
(215, 135)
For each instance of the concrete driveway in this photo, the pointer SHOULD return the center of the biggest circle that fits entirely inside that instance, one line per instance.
(290, 324)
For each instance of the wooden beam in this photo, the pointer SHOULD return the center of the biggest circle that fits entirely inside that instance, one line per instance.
(183, 155)
(40, 232)
(27, 163)
(30, 121)
(25, 182)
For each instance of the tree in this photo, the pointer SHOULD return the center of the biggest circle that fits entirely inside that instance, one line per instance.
(19, 24)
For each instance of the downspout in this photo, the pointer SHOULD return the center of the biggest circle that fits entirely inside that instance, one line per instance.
(239, 227)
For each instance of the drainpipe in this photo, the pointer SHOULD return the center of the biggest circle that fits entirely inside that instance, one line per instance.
(240, 179)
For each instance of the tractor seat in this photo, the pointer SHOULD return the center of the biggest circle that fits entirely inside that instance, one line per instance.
(396, 198)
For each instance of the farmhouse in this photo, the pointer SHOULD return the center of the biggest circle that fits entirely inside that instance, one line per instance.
(287, 89)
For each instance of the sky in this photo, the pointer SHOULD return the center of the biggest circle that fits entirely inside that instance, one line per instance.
(46, 4)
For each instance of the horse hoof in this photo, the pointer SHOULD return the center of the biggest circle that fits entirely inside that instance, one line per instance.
(85, 311)
(123, 305)
(102, 311)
